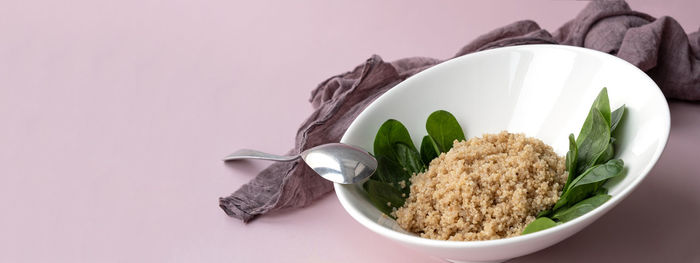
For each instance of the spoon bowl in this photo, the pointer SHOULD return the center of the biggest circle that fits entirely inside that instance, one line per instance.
(336, 162)
(340, 163)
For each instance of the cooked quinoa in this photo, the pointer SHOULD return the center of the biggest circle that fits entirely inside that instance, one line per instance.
(483, 188)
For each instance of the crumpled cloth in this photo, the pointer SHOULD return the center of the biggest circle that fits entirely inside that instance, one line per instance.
(659, 47)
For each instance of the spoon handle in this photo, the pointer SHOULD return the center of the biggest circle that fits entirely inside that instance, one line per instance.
(253, 154)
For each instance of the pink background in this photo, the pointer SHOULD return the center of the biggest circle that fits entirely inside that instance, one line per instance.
(115, 116)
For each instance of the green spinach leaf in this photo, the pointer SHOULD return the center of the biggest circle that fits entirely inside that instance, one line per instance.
(384, 196)
(443, 127)
(397, 157)
(409, 158)
(428, 150)
(390, 171)
(589, 164)
(390, 133)
(601, 191)
(602, 172)
(581, 208)
(602, 104)
(608, 154)
(592, 140)
(616, 117)
(539, 224)
(596, 137)
(544, 213)
(571, 157)
(587, 183)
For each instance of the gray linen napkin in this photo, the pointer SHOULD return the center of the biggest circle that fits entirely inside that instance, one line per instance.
(660, 47)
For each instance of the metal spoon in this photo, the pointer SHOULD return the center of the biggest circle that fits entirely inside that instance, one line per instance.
(336, 162)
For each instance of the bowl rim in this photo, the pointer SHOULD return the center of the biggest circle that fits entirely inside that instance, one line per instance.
(341, 193)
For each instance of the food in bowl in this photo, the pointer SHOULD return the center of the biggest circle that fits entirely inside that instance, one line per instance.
(493, 187)
(544, 91)
(483, 188)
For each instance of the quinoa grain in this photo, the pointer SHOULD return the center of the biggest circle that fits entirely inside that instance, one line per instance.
(483, 188)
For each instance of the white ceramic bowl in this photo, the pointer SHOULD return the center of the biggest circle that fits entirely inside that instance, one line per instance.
(544, 91)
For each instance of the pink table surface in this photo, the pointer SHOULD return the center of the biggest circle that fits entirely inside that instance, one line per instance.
(115, 115)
